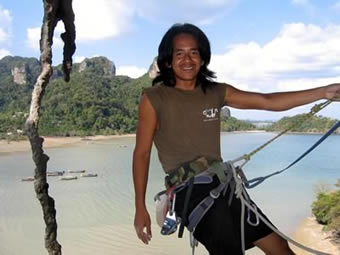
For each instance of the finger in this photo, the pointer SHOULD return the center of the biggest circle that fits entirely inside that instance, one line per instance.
(139, 232)
(148, 231)
(142, 235)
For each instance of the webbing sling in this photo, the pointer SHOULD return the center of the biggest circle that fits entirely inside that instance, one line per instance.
(256, 181)
(241, 194)
(203, 207)
(186, 206)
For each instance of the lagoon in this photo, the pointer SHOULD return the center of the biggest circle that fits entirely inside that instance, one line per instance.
(95, 215)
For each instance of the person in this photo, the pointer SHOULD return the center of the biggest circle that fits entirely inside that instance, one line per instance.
(180, 114)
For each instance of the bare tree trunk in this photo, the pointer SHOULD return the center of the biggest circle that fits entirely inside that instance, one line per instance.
(54, 10)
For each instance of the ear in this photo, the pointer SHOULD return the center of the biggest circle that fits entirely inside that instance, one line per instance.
(168, 65)
(202, 63)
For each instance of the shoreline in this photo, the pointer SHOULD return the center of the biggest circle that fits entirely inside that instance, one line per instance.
(53, 142)
(310, 234)
(276, 132)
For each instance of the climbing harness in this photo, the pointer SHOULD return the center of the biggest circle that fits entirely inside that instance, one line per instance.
(242, 195)
(230, 175)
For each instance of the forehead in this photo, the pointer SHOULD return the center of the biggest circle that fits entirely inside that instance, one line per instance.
(184, 41)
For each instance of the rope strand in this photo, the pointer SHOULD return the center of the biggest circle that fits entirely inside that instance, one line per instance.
(315, 109)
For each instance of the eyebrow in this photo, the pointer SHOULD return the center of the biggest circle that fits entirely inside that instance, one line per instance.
(179, 49)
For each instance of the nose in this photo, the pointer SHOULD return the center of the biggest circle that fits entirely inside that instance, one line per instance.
(187, 58)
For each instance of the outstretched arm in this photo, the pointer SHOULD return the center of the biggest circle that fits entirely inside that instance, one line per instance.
(147, 123)
(279, 101)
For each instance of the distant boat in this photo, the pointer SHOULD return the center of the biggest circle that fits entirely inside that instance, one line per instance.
(68, 178)
(55, 173)
(89, 175)
(76, 171)
(122, 146)
(86, 139)
(28, 179)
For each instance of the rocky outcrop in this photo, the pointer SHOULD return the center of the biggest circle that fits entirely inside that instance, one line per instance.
(19, 70)
(153, 70)
(19, 75)
(99, 65)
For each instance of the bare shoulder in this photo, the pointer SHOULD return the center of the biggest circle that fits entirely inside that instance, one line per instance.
(146, 126)
(145, 106)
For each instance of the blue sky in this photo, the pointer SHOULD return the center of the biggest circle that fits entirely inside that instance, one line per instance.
(260, 45)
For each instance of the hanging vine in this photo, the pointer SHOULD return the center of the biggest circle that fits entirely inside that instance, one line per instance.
(54, 11)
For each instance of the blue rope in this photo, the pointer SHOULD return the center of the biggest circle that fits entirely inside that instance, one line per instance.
(256, 181)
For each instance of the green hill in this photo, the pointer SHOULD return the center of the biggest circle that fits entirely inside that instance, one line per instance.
(314, 124)
(95, 101)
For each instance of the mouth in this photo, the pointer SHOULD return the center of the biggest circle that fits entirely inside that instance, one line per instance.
(188, 68)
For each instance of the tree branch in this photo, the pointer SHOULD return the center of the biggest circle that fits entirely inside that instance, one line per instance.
(54, 10)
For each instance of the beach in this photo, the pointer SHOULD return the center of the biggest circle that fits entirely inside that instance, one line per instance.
(52, 142)
(308, 232)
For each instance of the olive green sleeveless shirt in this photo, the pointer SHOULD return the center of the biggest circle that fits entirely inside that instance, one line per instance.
(188, 123)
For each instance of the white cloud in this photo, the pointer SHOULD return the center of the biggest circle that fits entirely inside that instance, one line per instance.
(33, 37)
(105, 19)
(5, 25)
(3, 35)
(34, 34)
(4, 53)
(78, 59)
(101, 19)
(299, 51)
(305, 83)
(131, 71)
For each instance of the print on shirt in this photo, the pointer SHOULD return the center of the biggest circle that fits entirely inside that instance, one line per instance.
(210, 114)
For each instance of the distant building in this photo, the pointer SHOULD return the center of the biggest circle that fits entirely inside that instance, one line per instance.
(262, 124)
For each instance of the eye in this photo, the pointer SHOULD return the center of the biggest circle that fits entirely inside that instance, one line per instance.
(195, 53)
(179, 53)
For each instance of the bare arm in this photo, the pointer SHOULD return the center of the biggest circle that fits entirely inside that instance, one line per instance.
(279, 101)
(147, 123)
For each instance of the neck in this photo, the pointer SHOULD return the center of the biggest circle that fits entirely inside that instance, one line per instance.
(186, 85)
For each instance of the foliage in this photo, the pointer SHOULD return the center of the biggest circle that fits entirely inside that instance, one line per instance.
(326, 210)
(95, 101)
(299, 123)
(321, 187)
(232, 124)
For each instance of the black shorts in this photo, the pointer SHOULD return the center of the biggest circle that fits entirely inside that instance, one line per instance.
(220, 229)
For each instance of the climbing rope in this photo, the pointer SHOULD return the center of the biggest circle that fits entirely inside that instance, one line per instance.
(315, 109)
(242, 182)
(241, 194)
(256, 181)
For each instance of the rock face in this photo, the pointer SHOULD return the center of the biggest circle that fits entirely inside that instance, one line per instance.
(19, 75)
(18, 70)
(100, 65)
(153, 70)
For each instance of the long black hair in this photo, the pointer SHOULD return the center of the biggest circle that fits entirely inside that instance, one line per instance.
(165, 50)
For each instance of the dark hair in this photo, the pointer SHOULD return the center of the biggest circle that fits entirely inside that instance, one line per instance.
(165, 50)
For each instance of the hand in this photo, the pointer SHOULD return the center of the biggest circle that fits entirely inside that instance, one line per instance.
(333, 92)
(142, 222)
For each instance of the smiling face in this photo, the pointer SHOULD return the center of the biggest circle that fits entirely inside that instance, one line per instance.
(186, 60)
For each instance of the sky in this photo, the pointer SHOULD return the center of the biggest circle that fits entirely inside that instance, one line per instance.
(263, 46)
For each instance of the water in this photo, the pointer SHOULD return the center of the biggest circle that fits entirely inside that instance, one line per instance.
(95, 215)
